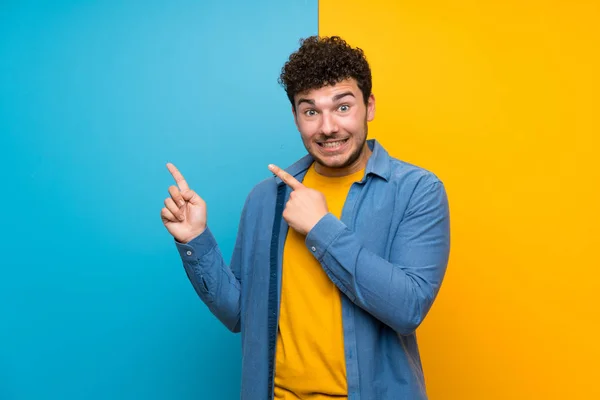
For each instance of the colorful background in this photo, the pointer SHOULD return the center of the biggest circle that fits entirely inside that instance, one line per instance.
(499, 99)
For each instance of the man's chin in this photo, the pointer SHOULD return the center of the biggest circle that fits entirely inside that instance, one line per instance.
(330, 163)
(337, 161)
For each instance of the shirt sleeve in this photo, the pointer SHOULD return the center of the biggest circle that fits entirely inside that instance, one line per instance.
(399, 291)
(216, 283)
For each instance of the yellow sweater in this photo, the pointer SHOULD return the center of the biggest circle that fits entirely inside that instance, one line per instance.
(310, 363)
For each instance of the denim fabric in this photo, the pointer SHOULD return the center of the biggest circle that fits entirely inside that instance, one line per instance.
(387, 255)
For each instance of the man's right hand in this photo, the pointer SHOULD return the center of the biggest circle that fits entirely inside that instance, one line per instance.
(184, 214)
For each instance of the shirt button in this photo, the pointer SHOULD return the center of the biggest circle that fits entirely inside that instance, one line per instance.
(313, 248)
(189, 253)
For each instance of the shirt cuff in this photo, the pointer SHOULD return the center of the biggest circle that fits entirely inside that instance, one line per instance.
(197, 247)
(323, 234)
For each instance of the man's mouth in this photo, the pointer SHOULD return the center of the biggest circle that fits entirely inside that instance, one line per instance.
(332, 145)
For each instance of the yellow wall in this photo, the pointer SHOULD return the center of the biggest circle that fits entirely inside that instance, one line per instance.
(500, 100)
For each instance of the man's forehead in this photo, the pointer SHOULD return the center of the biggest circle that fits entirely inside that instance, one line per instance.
(330, 90)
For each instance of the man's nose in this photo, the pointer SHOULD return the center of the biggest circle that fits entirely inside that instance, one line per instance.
(328, 124)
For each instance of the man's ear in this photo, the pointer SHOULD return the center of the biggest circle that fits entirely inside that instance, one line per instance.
(371, 108)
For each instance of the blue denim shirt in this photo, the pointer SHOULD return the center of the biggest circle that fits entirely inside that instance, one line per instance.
(387, 255)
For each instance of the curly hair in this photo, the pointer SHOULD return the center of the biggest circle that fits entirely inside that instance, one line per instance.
(322, 61)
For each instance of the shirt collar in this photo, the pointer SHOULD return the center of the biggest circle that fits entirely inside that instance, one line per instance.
(378, 164)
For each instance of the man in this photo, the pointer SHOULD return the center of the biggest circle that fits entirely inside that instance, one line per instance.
(337, 260)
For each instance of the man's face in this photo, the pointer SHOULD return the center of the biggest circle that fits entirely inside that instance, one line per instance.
(332, 121)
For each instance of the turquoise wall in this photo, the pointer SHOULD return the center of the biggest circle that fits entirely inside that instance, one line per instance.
(95, 98)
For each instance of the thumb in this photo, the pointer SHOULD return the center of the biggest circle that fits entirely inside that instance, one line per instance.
(191, 196)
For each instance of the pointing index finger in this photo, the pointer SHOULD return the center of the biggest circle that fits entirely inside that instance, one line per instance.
(183, 186)
(285, 177)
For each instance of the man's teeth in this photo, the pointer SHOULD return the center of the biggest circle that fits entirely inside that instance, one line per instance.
(333, 144)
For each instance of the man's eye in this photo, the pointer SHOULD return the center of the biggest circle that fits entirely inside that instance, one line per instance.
(344, 107)
(310, 113)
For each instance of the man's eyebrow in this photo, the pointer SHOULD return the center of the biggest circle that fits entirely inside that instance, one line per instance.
(341, 95)
(309, 101)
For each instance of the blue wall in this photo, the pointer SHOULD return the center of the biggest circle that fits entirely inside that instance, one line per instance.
(95, 98)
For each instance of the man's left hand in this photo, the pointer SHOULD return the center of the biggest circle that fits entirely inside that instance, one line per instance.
(305, 207)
